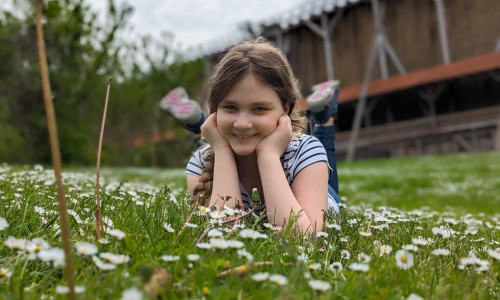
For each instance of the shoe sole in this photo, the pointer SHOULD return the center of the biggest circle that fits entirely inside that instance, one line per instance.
(322, 94)
(178, 104)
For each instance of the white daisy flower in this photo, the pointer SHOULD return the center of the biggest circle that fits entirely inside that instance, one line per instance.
(215, 233)
(440, 252)
(3, 223)
(5, 273)
(16, 244)
(404, 259)
(495, 254)
(364, 258)
(344, 254)
(168, 227)
(319, 285)
(385, 249)
(116, 259)
(251, 234)
(359, 267)
(260, 276)
(54, 255)
(204, 245)
(193, 257)
(117, 233)
(278, 279)
(315, 266)
(63, 290)
(191, 225)
(86, 248)
(245, 253)
(131, 294)
(102, 265)
(419, 241)
(321, 234)
(335, 267)
(170, 258)
(365, 233)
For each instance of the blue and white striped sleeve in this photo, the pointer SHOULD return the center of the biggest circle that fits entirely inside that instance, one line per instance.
(309, 152)
(197, 163)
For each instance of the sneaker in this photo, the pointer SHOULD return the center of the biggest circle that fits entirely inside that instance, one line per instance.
(323, 102)
(181, 107)
(322, 95)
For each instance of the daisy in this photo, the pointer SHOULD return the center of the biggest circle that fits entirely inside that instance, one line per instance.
(187, 224)
(334, 226)
(278, 279)
(54, 255)
(314, 266)
(63, 290)
(5, 273)
(419, 241)
(193, 257)
(252, 234)
(410, 247)
(204, 245)
(321, 234)
(170, 258)
(385, 249)
(168, 227)
(3, 224)
(440, 252)
(117, 233)
(215, 233)
(404, 259)
(245, 253)
(494, 254)
(344, 254)
(365, 233)
(86, 248)
(116, 259)
(102, 265)
(335, 267)
(16, 244)
(319, 285)
(359, 267)
(364, 258)
(260, 276)
(131, 294)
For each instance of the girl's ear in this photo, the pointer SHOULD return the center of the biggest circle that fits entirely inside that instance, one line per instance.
(287, 108)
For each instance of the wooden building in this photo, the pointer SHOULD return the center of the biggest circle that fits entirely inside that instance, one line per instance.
(417, 76)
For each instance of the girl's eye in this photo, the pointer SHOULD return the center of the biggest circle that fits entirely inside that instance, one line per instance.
(230, 107)
(259, 108)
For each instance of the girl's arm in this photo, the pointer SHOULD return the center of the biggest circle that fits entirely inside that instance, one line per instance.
(225, 177)
(307, 198)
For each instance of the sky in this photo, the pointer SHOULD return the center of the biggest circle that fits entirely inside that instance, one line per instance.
(197, 22)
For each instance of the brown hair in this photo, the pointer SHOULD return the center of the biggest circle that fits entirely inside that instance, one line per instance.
(269, 65)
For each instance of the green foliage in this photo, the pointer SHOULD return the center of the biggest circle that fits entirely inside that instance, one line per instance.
(83, 53)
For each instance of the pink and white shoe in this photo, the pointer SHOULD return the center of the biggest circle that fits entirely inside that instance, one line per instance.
(181, 107)
(322, 95)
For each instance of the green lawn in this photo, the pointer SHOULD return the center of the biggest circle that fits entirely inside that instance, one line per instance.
(411, 227)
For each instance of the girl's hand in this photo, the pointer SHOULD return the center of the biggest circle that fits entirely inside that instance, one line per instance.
(211, 133)
(277, 142)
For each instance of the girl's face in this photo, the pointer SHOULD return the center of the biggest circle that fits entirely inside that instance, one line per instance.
(249, 113)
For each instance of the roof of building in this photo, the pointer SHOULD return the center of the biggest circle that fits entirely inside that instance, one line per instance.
(284, 20)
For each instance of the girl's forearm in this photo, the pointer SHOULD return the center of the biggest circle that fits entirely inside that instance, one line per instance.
(280, 200)
(225, 181)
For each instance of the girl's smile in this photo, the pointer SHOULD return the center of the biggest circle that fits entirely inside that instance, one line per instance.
(249, 113)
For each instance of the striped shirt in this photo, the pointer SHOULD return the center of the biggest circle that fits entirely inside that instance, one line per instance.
(302, 151)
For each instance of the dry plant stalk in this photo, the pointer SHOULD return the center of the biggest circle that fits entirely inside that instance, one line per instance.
(98, 215)
(56, 155)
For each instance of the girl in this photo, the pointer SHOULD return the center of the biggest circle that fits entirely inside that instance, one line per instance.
(254, 139)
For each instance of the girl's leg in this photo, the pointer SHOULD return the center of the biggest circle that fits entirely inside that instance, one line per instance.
(323, 106)
(326, 135)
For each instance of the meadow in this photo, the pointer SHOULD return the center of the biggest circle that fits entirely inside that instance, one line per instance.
(411, 228)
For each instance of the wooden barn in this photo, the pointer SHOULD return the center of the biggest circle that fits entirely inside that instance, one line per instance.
(417, 76)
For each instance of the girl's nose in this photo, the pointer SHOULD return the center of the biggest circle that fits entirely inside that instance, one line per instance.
(243, 121)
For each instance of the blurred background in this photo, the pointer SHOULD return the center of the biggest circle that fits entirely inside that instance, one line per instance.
(417, 76)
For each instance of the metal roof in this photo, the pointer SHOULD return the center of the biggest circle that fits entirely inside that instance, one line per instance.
(284, 20)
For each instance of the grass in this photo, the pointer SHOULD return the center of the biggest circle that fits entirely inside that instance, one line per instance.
(404, 203)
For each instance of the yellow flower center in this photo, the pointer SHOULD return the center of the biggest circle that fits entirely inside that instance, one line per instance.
(3, 272)
(84, 250)
(205, 290)
(385, 250)
(277, 281)
(403, 259)
(38, 248)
